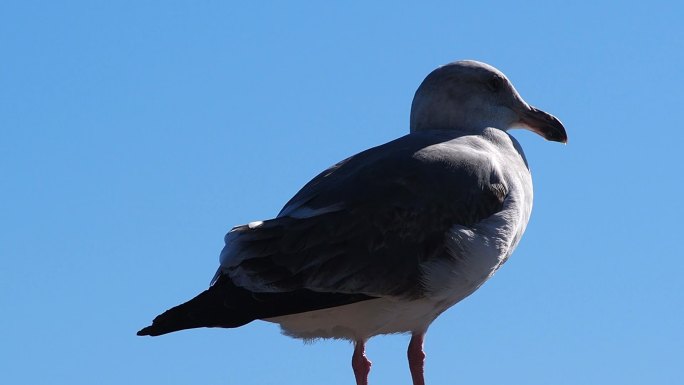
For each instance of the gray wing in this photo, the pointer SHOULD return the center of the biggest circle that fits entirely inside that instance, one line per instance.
(365, 225)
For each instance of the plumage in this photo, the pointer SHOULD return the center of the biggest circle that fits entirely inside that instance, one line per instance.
(359, 237)
(386, 240)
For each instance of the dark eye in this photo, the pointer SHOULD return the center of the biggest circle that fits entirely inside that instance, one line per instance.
(495, 84)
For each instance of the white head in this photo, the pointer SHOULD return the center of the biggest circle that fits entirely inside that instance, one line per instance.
(472, 95)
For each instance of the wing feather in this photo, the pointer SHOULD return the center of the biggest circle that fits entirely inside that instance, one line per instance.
(367, 224)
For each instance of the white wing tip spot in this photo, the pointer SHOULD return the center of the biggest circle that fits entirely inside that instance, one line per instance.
(255, 224)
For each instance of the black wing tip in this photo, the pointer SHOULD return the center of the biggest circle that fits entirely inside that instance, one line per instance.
(146, 331)
(208, 309)
(158, 328)
(172, 320)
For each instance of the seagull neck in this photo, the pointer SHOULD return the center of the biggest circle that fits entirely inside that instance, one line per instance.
(450, 129)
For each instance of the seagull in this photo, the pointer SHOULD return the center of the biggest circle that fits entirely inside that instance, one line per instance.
(386, 240)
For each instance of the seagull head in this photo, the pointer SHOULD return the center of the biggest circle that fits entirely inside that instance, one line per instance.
(471, 95)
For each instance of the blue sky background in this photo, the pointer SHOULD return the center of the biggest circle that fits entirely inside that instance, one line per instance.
(135, 134)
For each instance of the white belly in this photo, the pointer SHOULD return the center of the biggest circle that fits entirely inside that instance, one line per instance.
(362, 320)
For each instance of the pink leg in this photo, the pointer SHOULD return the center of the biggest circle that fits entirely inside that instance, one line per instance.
(416, 358)
(360, 363)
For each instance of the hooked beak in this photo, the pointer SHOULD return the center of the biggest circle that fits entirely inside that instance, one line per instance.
(544, 124)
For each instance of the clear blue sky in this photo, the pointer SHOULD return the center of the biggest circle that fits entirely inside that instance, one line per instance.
(135, 134)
